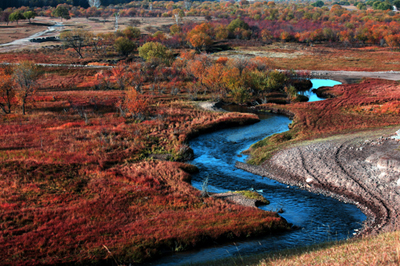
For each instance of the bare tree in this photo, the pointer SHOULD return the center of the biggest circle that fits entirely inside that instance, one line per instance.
(188, 4)
(94, 3)
(25, 76)
(240, 63)
(75, 39)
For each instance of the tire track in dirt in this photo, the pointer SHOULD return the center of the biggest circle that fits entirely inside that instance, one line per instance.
(303, 162)
(339, 169)
(377, 205)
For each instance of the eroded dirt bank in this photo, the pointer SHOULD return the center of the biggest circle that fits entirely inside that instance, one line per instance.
(360, 168)
(349, 77)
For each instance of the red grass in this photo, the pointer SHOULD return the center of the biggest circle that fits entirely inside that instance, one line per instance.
(372, 103)
(71, 186)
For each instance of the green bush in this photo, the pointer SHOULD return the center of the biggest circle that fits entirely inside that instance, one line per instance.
(151, 50)
(124, 46)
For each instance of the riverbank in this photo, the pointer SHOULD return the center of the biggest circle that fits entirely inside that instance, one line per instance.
(357, 168)
(321, 153)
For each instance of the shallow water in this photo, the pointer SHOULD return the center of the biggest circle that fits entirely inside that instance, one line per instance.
(320, 218)
(316, 84)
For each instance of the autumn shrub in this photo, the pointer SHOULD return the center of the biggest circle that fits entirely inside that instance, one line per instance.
(124, 46)
(153, 50)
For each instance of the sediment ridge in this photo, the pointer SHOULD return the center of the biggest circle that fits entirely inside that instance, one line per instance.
(362, 169)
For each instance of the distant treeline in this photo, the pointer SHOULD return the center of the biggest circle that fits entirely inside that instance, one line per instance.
(40, 3)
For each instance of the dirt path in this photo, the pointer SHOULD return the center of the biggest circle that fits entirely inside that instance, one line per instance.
(53, 29)
(25, 43)
(362, 168)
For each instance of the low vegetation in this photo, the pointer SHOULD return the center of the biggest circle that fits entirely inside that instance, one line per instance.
(92, 159)
(252, 195)
(79, 180)
(378, 250)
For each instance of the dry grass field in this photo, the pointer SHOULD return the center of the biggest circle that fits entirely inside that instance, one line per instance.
(23, 29)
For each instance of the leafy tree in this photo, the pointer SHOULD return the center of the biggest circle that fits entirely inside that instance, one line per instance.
(199, 36)
(61, 12)
(175, 29)
(75, 39)
(396, 3)
(131, 32)
(363, 6)
(240, 94)
(124, 46)
(237, 23)
(151, 50)
(383, 6)
(200, 40)
(16, 16)
(25, 76)
(392, 40)
(319, 3)
(275, 80)
(221, 33)
(30, 15)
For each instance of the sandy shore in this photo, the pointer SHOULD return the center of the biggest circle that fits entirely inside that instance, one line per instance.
(361, 168)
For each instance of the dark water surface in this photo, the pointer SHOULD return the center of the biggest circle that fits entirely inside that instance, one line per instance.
(320, 218)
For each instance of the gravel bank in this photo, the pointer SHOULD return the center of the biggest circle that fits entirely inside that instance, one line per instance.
(361, 169)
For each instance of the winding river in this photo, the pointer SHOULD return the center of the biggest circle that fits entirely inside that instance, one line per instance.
(320, 218)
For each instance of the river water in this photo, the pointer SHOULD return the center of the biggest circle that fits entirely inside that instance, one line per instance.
(320, 218)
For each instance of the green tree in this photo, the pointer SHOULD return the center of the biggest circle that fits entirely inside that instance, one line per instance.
(124, 46)
(16, 16)
(30, 15)
(25, 76)
(175, 29)
(396, 3)
(153, 50)
(237, 23)
(384, 6)
(363, 6)
(61, 11)
(319, 3)
(275, 81)
(131, 32)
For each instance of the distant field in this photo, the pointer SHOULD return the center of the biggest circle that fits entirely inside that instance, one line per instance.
(23, 29)
(299, 56)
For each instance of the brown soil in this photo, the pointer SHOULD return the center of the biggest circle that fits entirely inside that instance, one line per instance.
(23, 29)
(361, 168)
